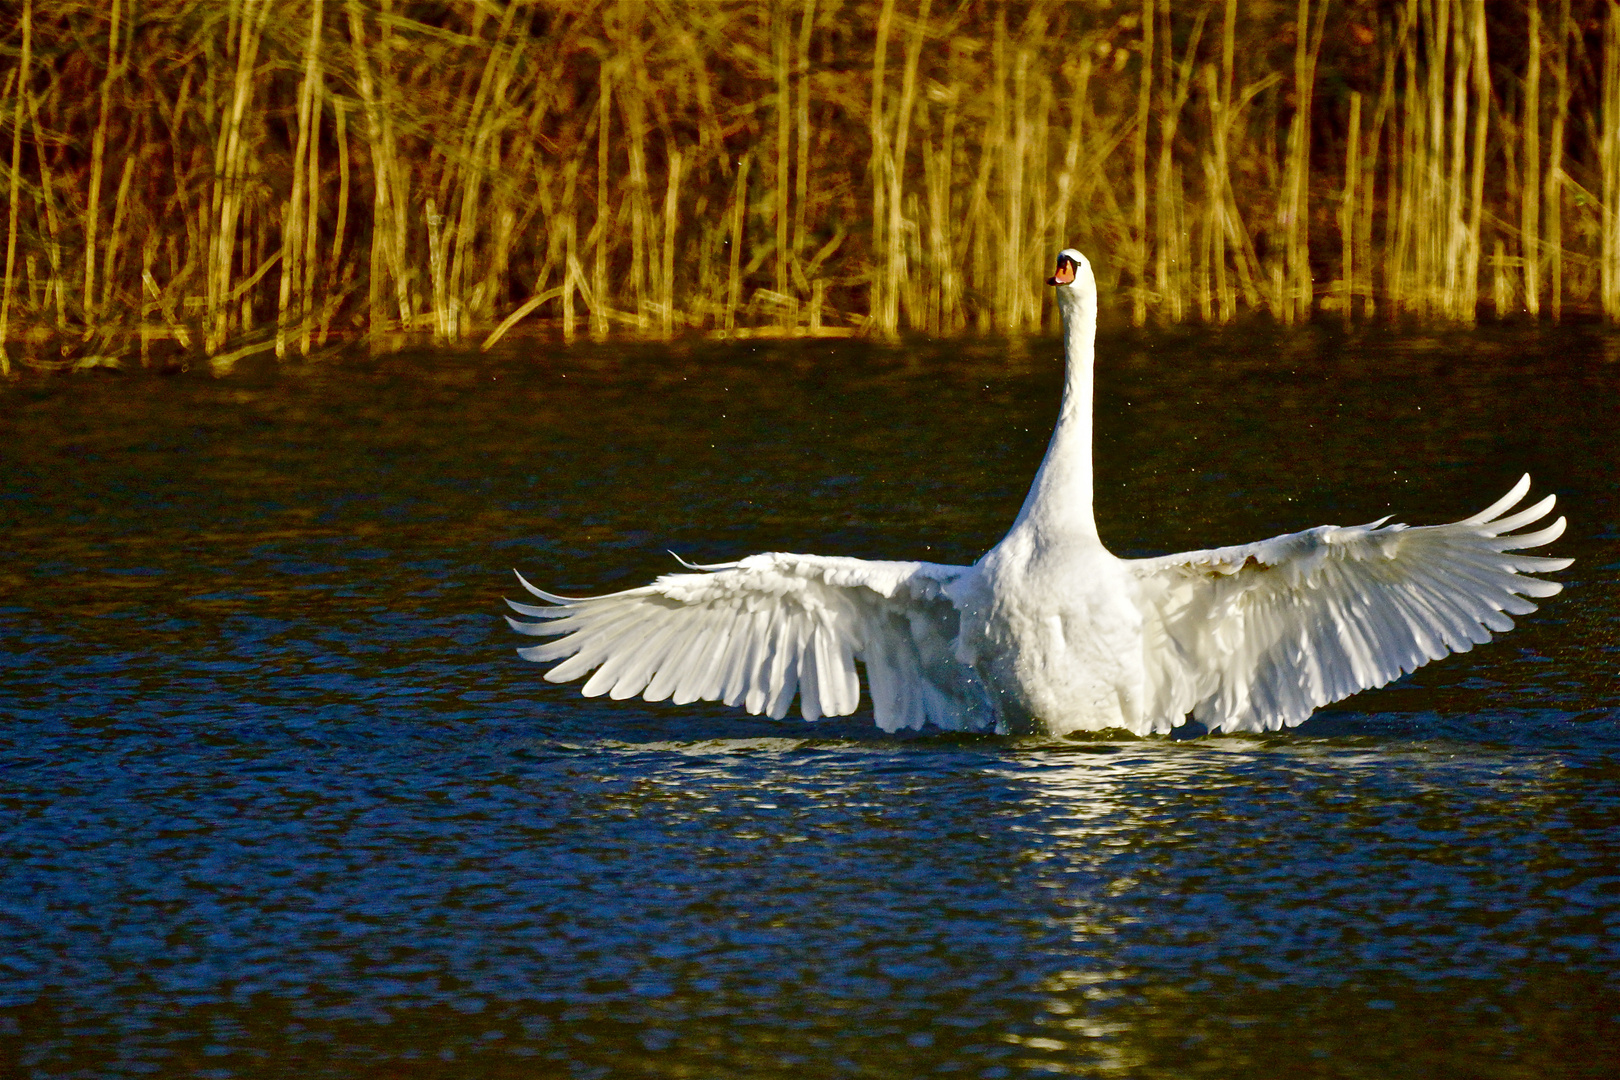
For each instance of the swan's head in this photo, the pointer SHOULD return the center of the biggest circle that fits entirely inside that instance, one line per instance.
(1073, 278)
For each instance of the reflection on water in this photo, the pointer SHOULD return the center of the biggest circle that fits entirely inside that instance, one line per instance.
(277, 797)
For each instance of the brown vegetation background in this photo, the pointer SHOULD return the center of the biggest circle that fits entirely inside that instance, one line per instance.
(234, 176)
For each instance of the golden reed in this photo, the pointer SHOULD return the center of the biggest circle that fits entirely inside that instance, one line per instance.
(253, 175)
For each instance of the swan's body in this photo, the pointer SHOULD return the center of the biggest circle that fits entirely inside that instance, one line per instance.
(1049, 631)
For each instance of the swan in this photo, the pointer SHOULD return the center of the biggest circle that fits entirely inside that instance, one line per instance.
(1049, 632)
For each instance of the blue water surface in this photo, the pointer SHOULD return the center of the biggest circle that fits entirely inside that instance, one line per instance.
(277, 797)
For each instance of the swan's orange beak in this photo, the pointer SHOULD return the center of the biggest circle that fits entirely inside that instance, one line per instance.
(1065, 272)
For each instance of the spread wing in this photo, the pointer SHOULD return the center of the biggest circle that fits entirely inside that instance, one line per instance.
(755, 632)
(1254, 637)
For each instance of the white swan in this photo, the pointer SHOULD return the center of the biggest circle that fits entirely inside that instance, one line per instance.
(1050, 631)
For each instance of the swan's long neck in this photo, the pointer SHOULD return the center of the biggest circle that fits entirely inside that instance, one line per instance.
(1058, 505)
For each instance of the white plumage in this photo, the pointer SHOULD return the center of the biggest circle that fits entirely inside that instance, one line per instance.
(1050, 632)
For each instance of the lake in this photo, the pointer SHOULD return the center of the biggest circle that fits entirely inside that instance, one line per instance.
(278, 798)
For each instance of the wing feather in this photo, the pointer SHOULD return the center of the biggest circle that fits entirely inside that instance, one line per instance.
(760, 692)
(631, 645)
(760, 631)
(701, 661)
(638, 674)
(734, 677)
(1501, 506)
(1254, 637)
(535, 611)
(785, 669)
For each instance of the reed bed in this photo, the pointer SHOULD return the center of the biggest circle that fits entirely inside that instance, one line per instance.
(232, 176)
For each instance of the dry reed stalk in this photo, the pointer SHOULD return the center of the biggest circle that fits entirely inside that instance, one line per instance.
(937, 197)
(666, 299)
(480, 140)
(1297, 292)
(1454, 277)
(298, 215)
(536, 165)
(895, 233)
(974, 250)
(1212, 250)
(98, 151)
(952, 279)
(481, 302)
(706, 302)
(1244, 256)
(1455, 237)
(176, 329)
(1609, 165)
(738, 215)
(782, 116)
(1500, 286)
(801, 175)
(231, 150)
(56, 284)
(398, 175)
(944, 301)
(1203, 285)
(1137, 260)
(311, 220)
(1014, 153)
(571, 269)
(598, 238)
(1433, 219)
(1530, 183)
(1554, 215)
(115, 238)
(380, 216)
(340, 123)
(1245, 259)
(390, 223)
(144, 328)
(1347, 209)
(991, 227)
(634, 106)
(877, 291)
(895, 268)
(1217, 168)
(16, 173)
(1170, 270)
(1468, 298)
(496, 284)
(1403, 166)
(1164, 239)
(253, 229)
(335, 264)
(1381, 114)
(443, 328)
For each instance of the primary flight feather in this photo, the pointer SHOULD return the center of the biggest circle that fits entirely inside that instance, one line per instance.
(1049, 631)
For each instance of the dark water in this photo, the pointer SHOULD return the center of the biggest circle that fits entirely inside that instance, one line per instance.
(276, 797)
